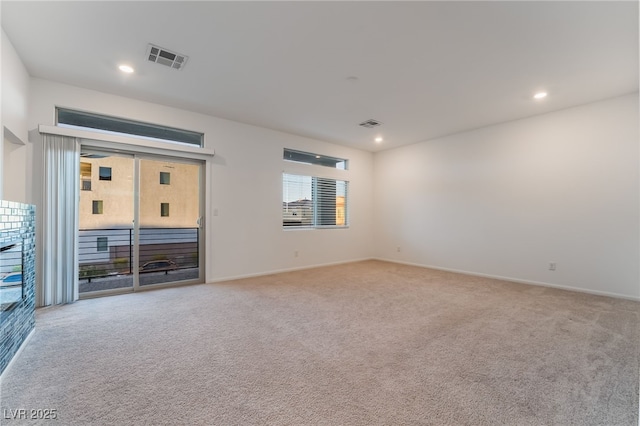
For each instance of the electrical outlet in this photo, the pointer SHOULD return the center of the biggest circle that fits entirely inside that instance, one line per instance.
(295, 253)
(398, 249)
(552, 266)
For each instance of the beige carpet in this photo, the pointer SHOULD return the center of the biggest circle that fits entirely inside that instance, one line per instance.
(368, 343)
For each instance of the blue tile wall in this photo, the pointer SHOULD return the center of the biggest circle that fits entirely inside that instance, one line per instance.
(18, 222)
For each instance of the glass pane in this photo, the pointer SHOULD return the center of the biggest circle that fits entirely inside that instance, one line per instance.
(341, 203)
(165, 178)
(85, 120)
(314, 201)
(325, 196)
(105, 173)
(169, 217)
(297, 202)
(316, 159)
(106, 216)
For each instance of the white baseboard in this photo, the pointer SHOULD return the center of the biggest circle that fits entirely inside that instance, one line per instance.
(516, 280)
(278, 271)
(17, 354)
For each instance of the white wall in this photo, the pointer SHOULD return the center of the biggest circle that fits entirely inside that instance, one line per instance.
(245, 188)
(15, 176)
(501, 201)
(508, 199)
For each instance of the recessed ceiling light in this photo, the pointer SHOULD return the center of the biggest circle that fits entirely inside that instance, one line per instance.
(126, 68)
(540, 95)
(317, 156)
(378, 139)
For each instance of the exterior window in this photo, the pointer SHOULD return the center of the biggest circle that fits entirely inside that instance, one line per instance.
(105, 173)
(315, 159)
(165, 178)
(164, 209)
(315, 202)
(102, 244)
(85, 176)
(97, 207)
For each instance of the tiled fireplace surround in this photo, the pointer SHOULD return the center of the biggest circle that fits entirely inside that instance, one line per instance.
(17, 222)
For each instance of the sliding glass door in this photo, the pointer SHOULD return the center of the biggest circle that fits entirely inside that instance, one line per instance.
(169, 221)
(140, 222)
(105, 237)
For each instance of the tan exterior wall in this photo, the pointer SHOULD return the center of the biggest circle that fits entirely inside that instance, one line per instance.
(116, 195)
(182, 194)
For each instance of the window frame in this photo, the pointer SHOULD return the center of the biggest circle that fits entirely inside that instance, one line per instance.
(314, 198)
(85, 184)
(168, 180)
(102, 244)
(105, 178)
(162, 210)
(97, 206)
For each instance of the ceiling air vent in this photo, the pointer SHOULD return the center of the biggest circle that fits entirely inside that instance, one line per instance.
(163, 56)
(370, 123)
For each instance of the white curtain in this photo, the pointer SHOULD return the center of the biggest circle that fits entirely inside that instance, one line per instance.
(60, 219)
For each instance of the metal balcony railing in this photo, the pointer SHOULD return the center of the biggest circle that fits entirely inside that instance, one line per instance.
(109, 251)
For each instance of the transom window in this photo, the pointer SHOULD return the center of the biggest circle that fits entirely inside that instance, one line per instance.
(123, 126)
(316, 159)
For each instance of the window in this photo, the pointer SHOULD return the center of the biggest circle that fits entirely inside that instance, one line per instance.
(316, 159)
(310, 201)
(104, 173)
(122, 126)
(164, 209)
(102, 243)
(165, 178)
(85, 176)
(97, 207)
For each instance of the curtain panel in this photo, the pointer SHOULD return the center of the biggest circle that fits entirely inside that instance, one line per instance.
(60, 219)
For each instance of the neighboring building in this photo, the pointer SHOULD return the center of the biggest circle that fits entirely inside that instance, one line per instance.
(169, 193)
(169, 210)
(300, 212)
(297, 213)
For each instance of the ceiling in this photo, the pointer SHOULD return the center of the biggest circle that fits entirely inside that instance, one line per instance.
(318, 69)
